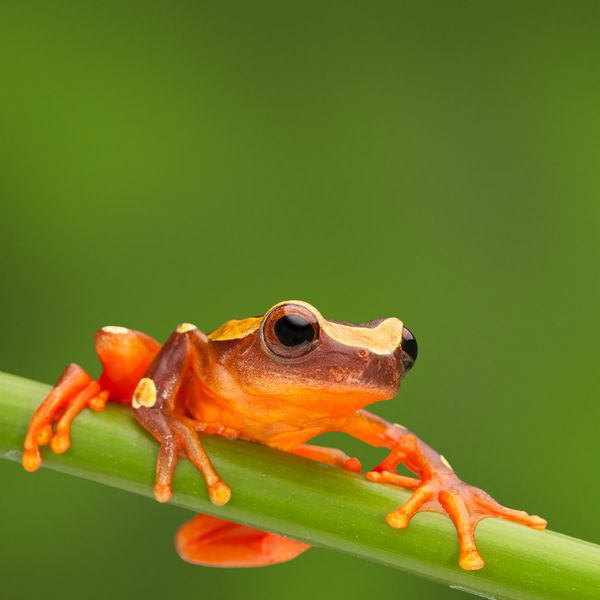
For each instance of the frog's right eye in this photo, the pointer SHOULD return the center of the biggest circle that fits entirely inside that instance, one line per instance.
(290, 331)
(293, 330)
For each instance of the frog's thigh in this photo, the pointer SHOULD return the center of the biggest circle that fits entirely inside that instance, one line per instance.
(125, 355)
(214, 542)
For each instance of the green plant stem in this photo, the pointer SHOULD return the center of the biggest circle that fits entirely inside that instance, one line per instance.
(312, 502)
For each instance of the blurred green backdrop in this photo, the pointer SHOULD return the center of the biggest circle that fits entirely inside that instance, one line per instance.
(184, 161)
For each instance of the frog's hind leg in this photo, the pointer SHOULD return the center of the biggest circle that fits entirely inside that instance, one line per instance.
(74, 390)
(214, 542)
(125, 354)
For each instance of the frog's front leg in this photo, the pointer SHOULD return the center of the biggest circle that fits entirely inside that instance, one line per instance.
(159, 408)
(438, 489)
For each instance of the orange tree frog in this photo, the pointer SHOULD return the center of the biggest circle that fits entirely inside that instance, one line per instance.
(280, 379)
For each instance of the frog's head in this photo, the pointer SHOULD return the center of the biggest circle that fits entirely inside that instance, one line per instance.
(293, 353)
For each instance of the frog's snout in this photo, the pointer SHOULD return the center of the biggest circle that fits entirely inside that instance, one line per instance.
(408, 351)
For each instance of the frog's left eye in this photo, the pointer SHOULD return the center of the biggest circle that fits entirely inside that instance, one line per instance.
(290, 331)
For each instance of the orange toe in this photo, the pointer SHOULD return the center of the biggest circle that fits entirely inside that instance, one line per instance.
(219, 493)
(353, 464)
(471, 561)
(98, 403)
(31, 460)
(162, 492)
(397, 519)
(60, 443)
(44, 435)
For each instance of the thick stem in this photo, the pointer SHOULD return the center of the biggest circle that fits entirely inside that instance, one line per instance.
(315, 503)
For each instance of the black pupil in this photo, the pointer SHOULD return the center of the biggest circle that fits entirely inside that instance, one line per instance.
(293, 330)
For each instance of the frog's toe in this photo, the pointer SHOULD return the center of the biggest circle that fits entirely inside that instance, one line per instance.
(219, 493)
(464, 504)
(44, 434)
(455, 502)
(51, 423)
(457, 506)
(402, 516)
(353, 465)
(31, 460)
(409, 483)
(178, 438)
(488, 507)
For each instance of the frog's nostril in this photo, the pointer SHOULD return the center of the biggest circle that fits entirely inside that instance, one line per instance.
(410, 349)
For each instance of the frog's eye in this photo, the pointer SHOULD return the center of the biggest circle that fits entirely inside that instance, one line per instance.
(290, 331)
(293, 330)
(409, 349)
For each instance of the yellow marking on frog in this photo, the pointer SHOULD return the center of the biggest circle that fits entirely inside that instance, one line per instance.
(115, 329)
(399, 426)
(185, 327)
(383, 339)
(235, 329)
(145, 394)
(445, 461)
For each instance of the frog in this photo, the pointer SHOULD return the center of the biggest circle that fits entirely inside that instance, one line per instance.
(279, 379)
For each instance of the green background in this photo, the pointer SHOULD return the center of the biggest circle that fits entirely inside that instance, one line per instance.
(184, 161)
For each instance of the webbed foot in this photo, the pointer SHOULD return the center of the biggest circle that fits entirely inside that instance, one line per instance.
(466, 505)
(51, 423)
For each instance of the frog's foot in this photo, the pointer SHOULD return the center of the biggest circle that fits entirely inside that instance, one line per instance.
(176, 434)
(464, 504)
(213, 542)
(51, 423)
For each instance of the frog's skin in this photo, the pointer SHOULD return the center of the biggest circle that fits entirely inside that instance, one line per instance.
(280, 380)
